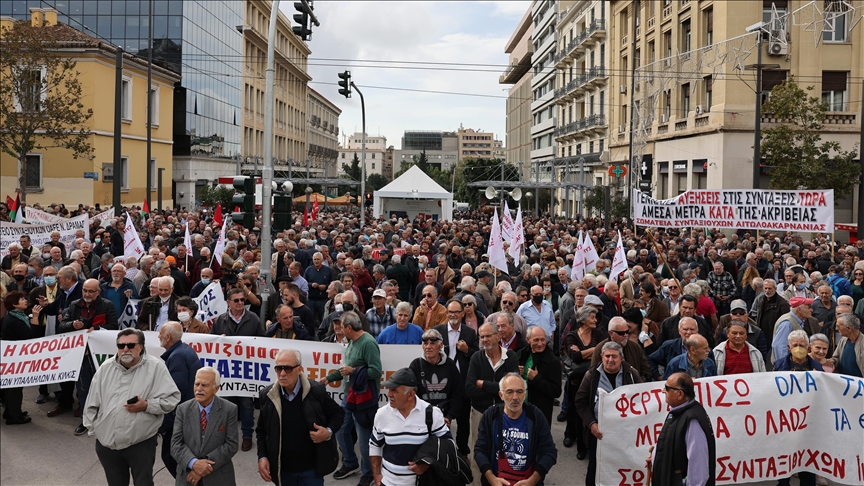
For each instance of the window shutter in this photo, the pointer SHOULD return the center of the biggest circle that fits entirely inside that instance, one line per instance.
(834, 80)
(770, 79)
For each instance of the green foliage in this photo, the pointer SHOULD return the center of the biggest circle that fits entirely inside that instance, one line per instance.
(211, 196)
(794, 149)
(595, 203)
(476, 169)
(353, 171)
(375, 182)
(39, 108)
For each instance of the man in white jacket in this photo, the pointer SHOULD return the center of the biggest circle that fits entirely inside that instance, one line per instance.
(129, 395)
(736, 355)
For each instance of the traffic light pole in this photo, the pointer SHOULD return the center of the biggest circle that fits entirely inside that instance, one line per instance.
(267, 174)
(362, 159)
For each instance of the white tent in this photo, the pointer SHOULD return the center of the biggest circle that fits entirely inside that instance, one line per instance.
(414, 193)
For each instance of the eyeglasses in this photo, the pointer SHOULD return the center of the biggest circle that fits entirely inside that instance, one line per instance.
(738, 312)
(430, 340)
(286, 368)
(620, 333)
(238, 300)
(453, 313)
(667, 388)
(427, 296)
(468, 303)
(126, 345)
(507, 302)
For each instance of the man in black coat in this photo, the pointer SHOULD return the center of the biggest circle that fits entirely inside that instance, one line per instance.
(460, 351)
(543, 373)
(303, 448)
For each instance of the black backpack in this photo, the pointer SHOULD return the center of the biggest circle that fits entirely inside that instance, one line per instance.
(446, 466)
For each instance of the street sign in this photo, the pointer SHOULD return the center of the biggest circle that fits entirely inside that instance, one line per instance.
(617, 171)
(91, 175)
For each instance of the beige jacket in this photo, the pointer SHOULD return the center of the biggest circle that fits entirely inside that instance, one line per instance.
(113, 384)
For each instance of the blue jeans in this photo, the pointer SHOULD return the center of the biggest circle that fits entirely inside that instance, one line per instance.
(301, 479)
(247, 414)
(346, 445)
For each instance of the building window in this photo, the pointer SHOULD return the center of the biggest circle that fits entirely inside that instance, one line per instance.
(124, 166)
(836, 14)
(373, 155)
(685, 36)
(32, 171)
(709, 86)
(126, 96)
(154, 102)
(682, 184)
(667, 43)
(343, 155)
(601, 146)
(602, 105)
(709, 26)
(770, 79)
(668, 107)
(373, 165)
(591, 105)
(834, 89)
(780, 5)
(664, 186)
(685, 99)
(591, 147)
(31, 84)
(624, 114)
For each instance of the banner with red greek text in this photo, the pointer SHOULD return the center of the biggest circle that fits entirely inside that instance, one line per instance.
(766, 426)
(245, 363)
(811, 210)
(51, 359)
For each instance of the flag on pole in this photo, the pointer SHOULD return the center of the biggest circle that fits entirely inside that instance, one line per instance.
(16, 213)
(132, 246)
(306, 216)
(145, 210)
(590, 253)
(507, 224)
(315, 210)
(220, 245)
(497, 258)
(217, 215)
(187, 238)
(619, 263)
(577, 271)
(518, 237)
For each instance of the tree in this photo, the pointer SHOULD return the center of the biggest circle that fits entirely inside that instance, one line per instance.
(422, 161)
(794, 149)
(212, 195)
(353, 171)
(375, 182)
(476, 169)
(40, 95)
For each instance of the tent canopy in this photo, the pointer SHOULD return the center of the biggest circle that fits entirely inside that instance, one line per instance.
(411, 188)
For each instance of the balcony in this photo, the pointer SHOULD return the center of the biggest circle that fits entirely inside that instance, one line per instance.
(596, 76)
(594, 32)
(581, 128)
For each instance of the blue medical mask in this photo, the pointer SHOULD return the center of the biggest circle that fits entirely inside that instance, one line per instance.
(643, 312)
(50, 280)
(802, 286)
(205, 281)
(97, 240)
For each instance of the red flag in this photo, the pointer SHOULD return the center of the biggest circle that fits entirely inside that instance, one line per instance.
(306, 216)
(10, 203)
(217, 215)
(146, 207)
(315, 210)
(236, 209)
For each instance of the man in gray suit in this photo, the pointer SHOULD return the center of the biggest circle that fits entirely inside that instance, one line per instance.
(205, 435)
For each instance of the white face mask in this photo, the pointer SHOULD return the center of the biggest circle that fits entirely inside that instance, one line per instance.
(183, 316)
(338, 307)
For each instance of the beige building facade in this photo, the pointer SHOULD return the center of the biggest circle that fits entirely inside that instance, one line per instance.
(376, 153)
(695, 104)
(475, 145)
(322, 133)
(519, 74)
(291, 100)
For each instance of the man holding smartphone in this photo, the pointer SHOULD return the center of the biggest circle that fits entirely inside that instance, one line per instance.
(129, 395)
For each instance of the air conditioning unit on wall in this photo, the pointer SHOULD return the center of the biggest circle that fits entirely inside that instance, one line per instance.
(778, 47)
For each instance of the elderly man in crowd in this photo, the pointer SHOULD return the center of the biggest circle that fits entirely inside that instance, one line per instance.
(538, 312)
(510, 304)
(695, 362)
(403, 332)
(619, 332)
(156, 310)
(429, 313)
(285, 327)
(736, 355)
(755, 336)
(848, 357)
(131, 448)
(671, 348)
(120, 289)
(542, 370)
(767, 308)
(800, 317)
(439, 381)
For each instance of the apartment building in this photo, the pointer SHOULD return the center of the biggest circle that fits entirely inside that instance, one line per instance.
(519, 74)
(582, 96)
(322, 130)
(475, 145)
(376, 153)
(441, 148)
(695, 105)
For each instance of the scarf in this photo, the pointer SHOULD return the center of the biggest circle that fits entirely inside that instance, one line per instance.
(605, 385)
(21, 315)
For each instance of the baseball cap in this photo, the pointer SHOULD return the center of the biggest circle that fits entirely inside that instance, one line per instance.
(738, 304)
(592, 299)
(799, 301)
(402, 376)
(483, 274)
(379, 293)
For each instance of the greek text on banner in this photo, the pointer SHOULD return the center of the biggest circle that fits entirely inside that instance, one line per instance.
(766, 426)
(51, 359)
(741, 208)
(245, 363)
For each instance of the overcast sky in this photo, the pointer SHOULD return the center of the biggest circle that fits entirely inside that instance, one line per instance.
(420, 32)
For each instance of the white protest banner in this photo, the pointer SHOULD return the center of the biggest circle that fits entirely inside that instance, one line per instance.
(105, 217)
(496, 246)
(766, 426)
(517, 237)
(211, 303)
(35, 216)
(619, 263)
(245, 363)
(739, 208)
(590, 253)
(51, 359)
(507, 224)
(132, 246)
(41, 233)
(577, 271)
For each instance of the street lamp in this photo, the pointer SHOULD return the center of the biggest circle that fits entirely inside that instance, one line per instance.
(528, 199)
(308, 192)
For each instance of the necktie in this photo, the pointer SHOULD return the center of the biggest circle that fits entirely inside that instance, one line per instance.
(203, 420)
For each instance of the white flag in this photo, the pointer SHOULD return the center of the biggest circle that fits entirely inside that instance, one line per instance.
(187, 239)
(220, 243)
(590, 253)
(577, 270)
(518, 237)
(132, 246)
(619, 263)
(496, 246)
(507, 224)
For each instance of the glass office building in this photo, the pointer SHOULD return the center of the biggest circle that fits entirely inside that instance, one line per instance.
(196, 38)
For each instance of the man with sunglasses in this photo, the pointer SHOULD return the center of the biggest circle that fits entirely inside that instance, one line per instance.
(619, 333)
(240, 322)
(509, 303)
(296, 426)
(429, 313)
(439, 381)
(687, 429)
(126, 423)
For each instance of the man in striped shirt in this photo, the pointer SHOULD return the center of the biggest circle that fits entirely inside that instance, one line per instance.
(400, 429)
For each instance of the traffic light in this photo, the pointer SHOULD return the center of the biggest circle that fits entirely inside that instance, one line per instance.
(345, 84)
(302, 31)
(368, 199)
(282, 205)
(245, 200)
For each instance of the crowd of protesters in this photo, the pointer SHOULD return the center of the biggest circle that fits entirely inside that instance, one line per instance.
(702, 302)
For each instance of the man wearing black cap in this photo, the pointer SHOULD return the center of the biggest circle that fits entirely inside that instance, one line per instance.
(399, 431)
(483, 290)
